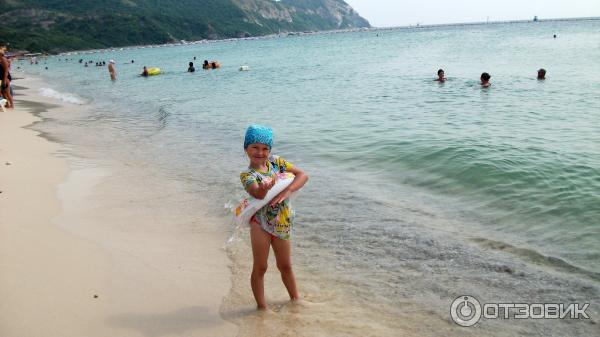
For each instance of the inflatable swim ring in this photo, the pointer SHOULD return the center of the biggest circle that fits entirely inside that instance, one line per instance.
(246, 209)
(153, 71)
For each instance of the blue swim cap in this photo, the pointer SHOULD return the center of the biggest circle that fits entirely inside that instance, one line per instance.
(258, 134)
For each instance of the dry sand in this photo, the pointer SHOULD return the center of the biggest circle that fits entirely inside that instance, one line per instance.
(80, 255)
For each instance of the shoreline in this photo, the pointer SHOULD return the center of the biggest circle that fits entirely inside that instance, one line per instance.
(321, 32)
(80, 257)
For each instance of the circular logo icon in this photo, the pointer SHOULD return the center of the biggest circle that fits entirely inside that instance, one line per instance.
(465, 310)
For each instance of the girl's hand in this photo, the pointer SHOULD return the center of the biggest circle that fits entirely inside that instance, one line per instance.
(281, 197)
(268, 183)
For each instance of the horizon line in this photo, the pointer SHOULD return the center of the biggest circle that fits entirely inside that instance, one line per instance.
(418, 24)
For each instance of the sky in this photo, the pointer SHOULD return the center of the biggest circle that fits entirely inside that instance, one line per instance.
(390, 13)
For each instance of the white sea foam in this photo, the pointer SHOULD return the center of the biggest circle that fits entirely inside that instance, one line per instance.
(65, 97)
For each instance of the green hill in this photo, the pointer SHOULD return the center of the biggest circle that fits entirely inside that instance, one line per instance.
(61, 25)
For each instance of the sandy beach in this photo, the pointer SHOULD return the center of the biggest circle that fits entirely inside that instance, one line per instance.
(80, 254)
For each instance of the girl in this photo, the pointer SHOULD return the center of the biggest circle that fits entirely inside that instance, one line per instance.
(272, 224)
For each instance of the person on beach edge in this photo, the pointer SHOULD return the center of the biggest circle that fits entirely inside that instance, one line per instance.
(271, 226)
(5, 79)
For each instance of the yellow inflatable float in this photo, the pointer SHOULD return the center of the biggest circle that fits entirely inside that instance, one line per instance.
(153, 71)
(150, 71)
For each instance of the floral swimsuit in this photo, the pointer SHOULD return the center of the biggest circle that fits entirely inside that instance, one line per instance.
(275, 220)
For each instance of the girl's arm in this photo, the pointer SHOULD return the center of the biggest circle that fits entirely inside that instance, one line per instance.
(260, 190)
(299, 181)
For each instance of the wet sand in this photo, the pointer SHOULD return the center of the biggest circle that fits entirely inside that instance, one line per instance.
(80, 254)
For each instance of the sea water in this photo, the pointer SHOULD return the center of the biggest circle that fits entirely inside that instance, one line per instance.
(419, 191)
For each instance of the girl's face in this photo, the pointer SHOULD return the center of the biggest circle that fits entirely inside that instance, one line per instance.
(258, 154)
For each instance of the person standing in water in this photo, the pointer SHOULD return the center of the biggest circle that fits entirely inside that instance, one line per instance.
(191, 68)
(271, 226)
(111, 70)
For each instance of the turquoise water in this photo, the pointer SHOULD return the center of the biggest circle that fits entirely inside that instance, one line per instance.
(415, 186)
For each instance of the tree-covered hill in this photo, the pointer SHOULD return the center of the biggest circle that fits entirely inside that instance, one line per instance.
(60, 25)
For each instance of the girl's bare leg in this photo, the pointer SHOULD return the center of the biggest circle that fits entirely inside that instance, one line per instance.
(283, 255)
(261, 243)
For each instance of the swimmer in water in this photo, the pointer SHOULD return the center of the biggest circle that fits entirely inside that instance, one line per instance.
(441, 77)
(541, 74)
(485, 80)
